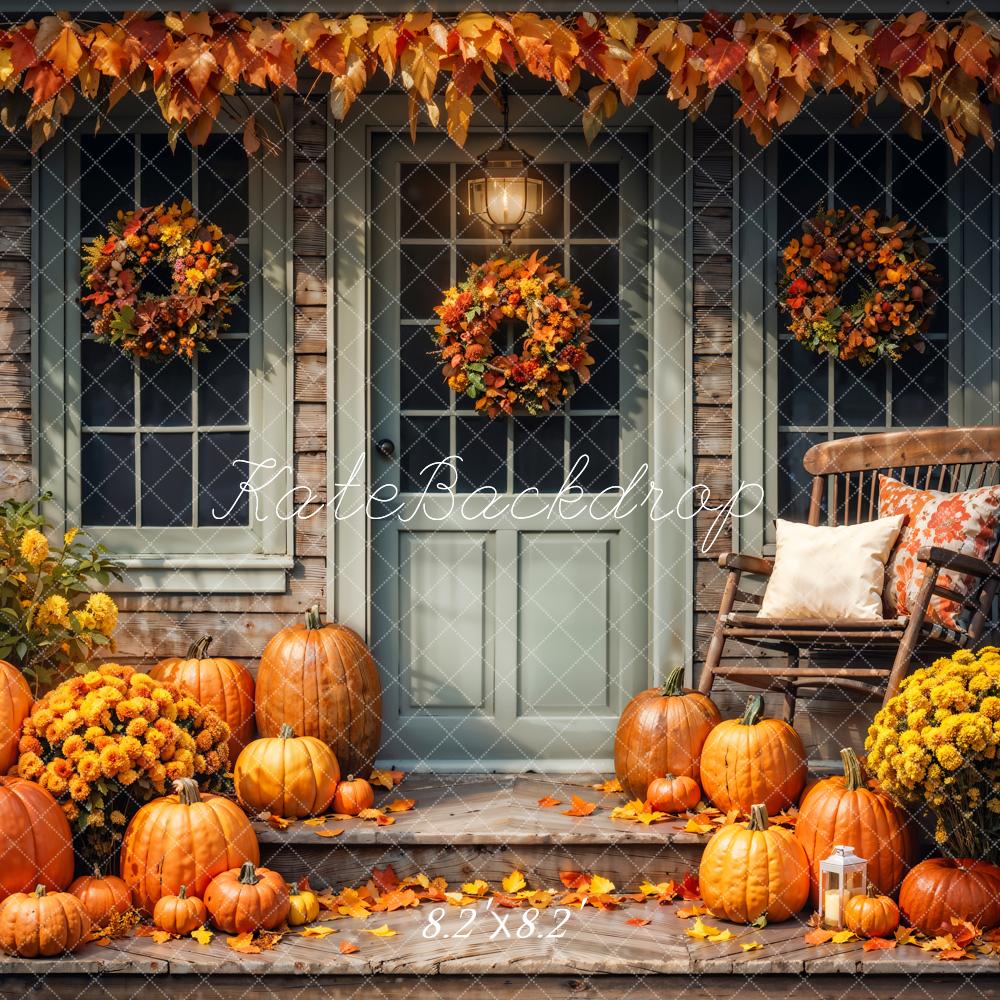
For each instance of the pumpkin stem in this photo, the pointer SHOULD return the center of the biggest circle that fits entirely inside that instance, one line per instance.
(672, 684)
(97, 871)
(669, 777)
(313, 619)
(187, 791)
(758, 817)
(182, 892)
(754, 711)
(853, 778)
(39, 890)
(248, 874)
(199, 650)
(350, 777)
(286, 732)
(293, 891)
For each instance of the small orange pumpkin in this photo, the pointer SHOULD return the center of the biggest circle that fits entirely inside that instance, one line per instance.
(353, 796)
(673, 794)
(287, 775)
(871, 915)
(15, 704)
(103, 896)
(179, 914)
(247, 899)
(40, 923)
(753, 759)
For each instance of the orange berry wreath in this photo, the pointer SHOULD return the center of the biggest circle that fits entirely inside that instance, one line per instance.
(553, 360)
(897, 281)
(190, 253)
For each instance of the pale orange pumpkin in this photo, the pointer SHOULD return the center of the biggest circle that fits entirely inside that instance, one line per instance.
(322, 681)
(871, 915)
(844, 810)
(42, 924)
(15, 704)
(939, 889)
(673, 793)
(247, 899)
(179, 914)
(184, 839)
(353, 796)
(287, 775)
(753, 759)
(36, 845)
(662, 731)
(752, 870)
(103, 896)
(217, 682)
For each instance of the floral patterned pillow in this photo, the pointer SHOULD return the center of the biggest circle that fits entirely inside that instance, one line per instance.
(963, 522)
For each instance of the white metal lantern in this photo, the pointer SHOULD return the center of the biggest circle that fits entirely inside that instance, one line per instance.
(841, 876)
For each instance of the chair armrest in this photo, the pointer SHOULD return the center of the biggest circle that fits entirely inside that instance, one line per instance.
(957, 561)
(746, 564)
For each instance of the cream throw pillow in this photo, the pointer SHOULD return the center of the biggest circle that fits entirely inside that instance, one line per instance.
(823, 572)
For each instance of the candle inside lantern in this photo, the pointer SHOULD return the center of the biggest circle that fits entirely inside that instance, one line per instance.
(831, 908)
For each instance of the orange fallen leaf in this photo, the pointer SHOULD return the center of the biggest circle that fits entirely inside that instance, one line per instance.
(278, 822)
(573, 880)
(819, 936)
(580, 807)
(477, 888)
(329, 833)
(101, 942)
(514, 882)
(160, 937)
(546, 802)
(401, 805)
(878, 944)
(609, 786)
(505, 900)
(694, 826)
(691, 911)
(386, 779)
(348, 948)
(954, 955)
(689, 888)
(385, 878)
(314, 821)
(243, 943)
(638, 922)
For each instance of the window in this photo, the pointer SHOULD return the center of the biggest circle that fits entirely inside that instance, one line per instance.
(153, 452)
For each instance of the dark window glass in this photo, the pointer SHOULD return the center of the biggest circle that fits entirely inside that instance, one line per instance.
(106, 188)
(481, 447)
(224, 383)
(802, 384)
(802, 165)
(919, 186)
(221, 469)
(423, 272)
(593, 200)
(425, 201)
(421, 384)
(859, 394)
(424, 442)
(597, 438)
(595, 270)
(165, 474)
(920, 387)
(223, 184)
(239, 318)
(859, 164)
(601, 392)
(107, 386)
(107, 471)
(539, 453)
(165, 393)
(165, 176)
(794, 483)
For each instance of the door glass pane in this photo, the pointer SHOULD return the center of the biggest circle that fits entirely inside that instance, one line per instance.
(423, 444)
(922, 397)
(859, 394)
(602, 391)
(165, 393)
(165, 175)
(421, 384)
(597, 438)
(539, 453)
(107, 386)
(107, 471)
(106, 187)
(222, 467)
(224, 184)
(481, 447)
(165, 464)
(595, 270)
(794, 483)
(224, 383)
(425, 201)
(593, 200)
(803, 385)
(424, 272)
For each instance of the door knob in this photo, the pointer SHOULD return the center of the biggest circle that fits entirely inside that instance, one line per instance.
(385, 448)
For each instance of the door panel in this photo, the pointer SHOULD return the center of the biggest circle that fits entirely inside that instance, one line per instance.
(514, 636)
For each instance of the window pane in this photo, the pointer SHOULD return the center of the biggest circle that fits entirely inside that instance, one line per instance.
(859, 394)
(221, 469)
(601, 392)
(593, 200)
(920, 387)
(424, 442)
(164, 176)
(224, 383)
(107, 386)
(538, 453)
(597, 438)
(424, 272)
(425, 201)
(860, 170)
(165, 472)
(107, 472)
(421, 384)
(794, 483)
(106, 174)
(550, 225)
(920, 177)
(223, 184)
(595, 270)
(802, 165)
(165, 393)
(481, 447)
(802, 384)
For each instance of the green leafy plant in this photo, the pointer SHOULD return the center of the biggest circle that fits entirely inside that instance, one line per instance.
(52, 616)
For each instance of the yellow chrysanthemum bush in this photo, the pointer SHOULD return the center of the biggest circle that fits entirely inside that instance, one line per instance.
(105, 742)
(934, 745)
(51, 618)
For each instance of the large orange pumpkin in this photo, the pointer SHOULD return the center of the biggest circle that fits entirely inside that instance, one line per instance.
(322, 681)
(752, 870)
(247, 899)
(39, 923)
(15, 704)
(184, 839)
(219, 683)
(753, 759)
(941, 888)
(843, 810)
(36, 845)
(662, 731)
(103, 896)
(290, 776)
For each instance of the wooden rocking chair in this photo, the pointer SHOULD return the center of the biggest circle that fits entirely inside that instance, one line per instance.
(877, 654)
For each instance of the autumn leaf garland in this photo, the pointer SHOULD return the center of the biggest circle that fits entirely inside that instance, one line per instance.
(192, 64)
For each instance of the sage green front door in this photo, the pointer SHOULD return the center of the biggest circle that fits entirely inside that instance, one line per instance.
(511, 631)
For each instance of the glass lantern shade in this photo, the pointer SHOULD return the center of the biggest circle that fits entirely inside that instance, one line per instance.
(504, 196)
(841, 876)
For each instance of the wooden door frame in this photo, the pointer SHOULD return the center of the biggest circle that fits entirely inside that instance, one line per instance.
(671, 539)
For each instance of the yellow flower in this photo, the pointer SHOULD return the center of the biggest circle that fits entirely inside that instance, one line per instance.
(118, 818)
(54, 611)
(70, 536)
(34, 547)
(104, 611)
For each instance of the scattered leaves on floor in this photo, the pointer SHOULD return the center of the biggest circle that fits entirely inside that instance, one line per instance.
(202, 935)
(751, 945)
(579, 807)
(384, 931)
(278, 822)
(638, 922)
(691, 911)
(637, 811)
(477, 888)
(879, 944)
(608, 787)
(386, 779)
(400, 805)
(378, 816)
(547, 802)
(317, 931)
(703, 932)
(348, 948)
(514, 882)
(329, 833)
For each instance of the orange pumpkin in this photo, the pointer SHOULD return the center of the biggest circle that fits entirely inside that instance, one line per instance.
(184, 839)
(247, 899)
(941, 888)
(103, 896)
(288, 775)
(179, 914)
(749, 870)
(353, 796)
(217, 682)
(753, 759)
(322, 681)
(15, 704)
(662, 731)
(36, 845)
(42, 924)
(844, 810)
(871, 915)
(673, 794)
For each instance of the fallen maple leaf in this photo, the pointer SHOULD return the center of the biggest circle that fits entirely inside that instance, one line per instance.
(477, 888)
(819, 936)
(694, 826)
(689, 888)
(384, 931)
(244, 944)
(691, 911)
(842, 937)
(385, 878)
(878, 944)
(160, 937)
(514, 882)
(401, 805)
(507, 901)
(278, 822)
(386, 779)
(314, 821)
(751, 945)
(317, 932)
(573, 880)
(538, 898)
(609, 786)
(348, 948)
(600, 886)
(953, 955)
(546, 802)
(638, 922)
(202, 935)
(101, 942)
(580, 807)
(329, 833)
